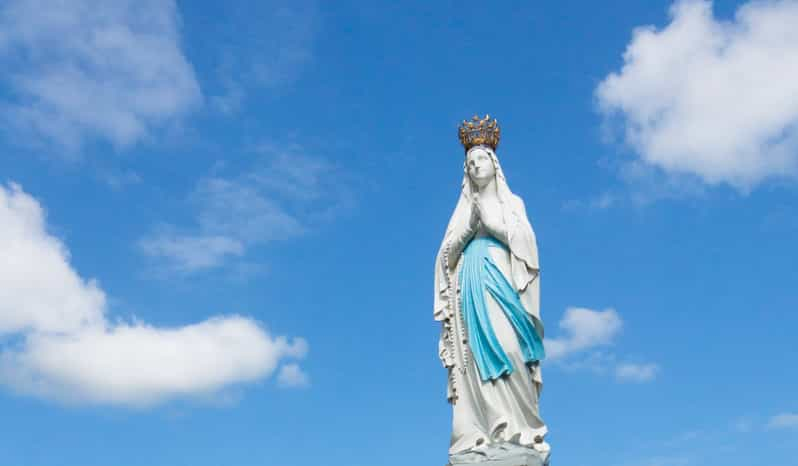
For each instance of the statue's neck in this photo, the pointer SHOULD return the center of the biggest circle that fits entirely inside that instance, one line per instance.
(488, 191)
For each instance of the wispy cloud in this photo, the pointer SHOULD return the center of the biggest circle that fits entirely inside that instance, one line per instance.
(82, 69)
(265, 45)
(631, 372)
(67, 349)
(602, 201)
(641, 184)
(282, 196)
(188, 253)
(291, 375)
(117, 180)
(585, 333)
(697, 98)
(783, 421)
(685, 437)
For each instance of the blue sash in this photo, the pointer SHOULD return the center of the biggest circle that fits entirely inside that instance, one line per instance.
(478, 274)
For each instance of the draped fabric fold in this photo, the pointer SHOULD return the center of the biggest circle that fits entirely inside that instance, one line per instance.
(480, 276)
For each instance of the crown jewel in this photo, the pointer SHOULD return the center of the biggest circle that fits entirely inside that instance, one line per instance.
(479, 131)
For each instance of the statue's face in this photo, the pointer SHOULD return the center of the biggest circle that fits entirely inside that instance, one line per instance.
(480, 167)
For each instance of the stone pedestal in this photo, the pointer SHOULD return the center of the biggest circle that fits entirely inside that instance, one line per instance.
(503, 455)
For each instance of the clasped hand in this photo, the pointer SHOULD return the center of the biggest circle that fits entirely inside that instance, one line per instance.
(476, 213)
(489, 218)
(480, 215)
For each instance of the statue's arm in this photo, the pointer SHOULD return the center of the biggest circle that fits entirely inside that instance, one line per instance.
(458, 237)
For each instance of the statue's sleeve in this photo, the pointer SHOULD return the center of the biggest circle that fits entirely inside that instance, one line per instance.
(455, 243)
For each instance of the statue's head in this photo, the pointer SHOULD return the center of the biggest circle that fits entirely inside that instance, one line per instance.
(479, 138)
(480, 165)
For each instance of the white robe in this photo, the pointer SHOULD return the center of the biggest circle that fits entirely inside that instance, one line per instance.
(504, 410)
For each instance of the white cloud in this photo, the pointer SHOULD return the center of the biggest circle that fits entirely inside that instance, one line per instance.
(584, 329)
(713, 99)
(283, 196)
(139, 364)
(585, 333)
(631, 372)
(291, 375)
(38, 288)
(60, 344)
(784, 421)
(84, 69)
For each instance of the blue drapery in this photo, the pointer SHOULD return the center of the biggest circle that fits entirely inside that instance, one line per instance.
(478, 275)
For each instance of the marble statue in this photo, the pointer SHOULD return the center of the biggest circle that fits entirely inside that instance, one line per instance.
(487, 285)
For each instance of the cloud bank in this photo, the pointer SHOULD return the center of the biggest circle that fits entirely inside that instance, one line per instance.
(112, 70)
(56, 340)
(712, 99)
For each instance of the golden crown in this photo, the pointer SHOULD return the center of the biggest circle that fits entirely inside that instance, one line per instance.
(478, 131)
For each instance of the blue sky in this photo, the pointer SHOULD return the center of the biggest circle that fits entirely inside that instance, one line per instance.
(219, 224)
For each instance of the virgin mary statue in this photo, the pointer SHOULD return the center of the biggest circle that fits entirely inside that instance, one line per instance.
(487, 285)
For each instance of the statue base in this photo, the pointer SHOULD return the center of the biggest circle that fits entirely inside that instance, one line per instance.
(503, 455)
